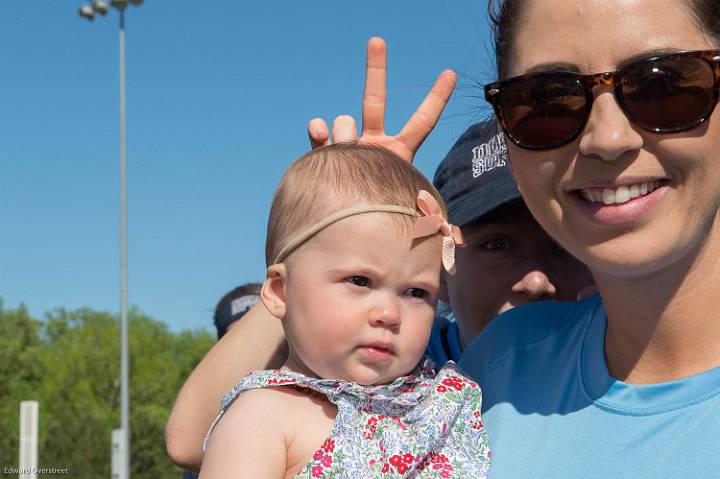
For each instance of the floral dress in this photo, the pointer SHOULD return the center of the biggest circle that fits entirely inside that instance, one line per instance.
(423, 425)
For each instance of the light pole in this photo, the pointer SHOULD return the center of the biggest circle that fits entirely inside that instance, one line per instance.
(121, 440)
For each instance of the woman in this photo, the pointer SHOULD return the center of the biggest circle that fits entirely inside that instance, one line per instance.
(620, 168)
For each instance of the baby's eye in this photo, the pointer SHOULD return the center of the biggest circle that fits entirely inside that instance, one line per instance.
(498, 244)
(361, 281)
(417, 293)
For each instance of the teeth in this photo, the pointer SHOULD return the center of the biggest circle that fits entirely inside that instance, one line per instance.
(619, 195)
(622, 194)
(608, 196)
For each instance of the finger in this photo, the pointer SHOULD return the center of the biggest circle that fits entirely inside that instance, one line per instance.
(374, 97)
(426, 116)
(344, 129)
(318, 133)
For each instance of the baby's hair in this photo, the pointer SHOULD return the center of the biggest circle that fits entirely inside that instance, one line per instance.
(339, 176)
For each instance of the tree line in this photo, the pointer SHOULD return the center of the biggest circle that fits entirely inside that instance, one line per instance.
(69, 362)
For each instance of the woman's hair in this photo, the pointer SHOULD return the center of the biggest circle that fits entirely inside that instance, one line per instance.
(505, 15)
(335, 177)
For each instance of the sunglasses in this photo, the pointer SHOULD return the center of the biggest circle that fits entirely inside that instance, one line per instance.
(664, 94)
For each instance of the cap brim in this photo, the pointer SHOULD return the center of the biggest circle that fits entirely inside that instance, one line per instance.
(479, 203)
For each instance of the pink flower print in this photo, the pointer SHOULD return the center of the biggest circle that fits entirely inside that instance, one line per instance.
(385, 468)
(424, 462)
(326, 460)
(317, 471)
(446, 469)
(453, 382)
(441, 389)
(399, 423)
(328, 445)
(408, 458)
(318, 455)
(396, 460)
(437, 457)
(402, 468)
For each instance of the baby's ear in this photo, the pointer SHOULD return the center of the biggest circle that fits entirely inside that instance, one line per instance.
(273, 290)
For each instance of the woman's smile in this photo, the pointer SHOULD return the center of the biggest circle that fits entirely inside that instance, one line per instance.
(621, 202)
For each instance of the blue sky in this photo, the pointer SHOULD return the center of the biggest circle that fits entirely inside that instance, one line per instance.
(219, 94)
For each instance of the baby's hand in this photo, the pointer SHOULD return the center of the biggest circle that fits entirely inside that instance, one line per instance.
(408, 141)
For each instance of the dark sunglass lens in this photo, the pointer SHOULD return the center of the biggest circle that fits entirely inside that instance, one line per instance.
(543, 110)
(670, 94)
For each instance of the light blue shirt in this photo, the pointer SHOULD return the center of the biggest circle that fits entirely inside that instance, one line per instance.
(552, 410)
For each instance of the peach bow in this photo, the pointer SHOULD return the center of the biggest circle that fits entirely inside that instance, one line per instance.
(434, 222)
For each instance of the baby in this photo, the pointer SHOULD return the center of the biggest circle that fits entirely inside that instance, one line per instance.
(355, 245)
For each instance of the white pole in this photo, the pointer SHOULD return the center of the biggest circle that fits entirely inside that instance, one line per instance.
(117, 466)
(124, 369)
(28, 439)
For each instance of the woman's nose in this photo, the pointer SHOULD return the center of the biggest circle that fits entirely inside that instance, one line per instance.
(609, 134)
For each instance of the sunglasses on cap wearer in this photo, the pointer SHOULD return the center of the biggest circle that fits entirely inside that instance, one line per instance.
(664, 93)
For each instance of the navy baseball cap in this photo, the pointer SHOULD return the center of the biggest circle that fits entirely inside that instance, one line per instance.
(474, 178)
(234, 305)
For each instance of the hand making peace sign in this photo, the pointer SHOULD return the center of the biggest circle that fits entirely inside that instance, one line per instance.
(408, 141)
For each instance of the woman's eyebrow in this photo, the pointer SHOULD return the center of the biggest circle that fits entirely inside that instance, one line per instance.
(647, 54)
(554, 67)
(550, 67)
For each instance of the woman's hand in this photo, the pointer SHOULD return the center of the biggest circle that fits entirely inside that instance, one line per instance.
(408, 141)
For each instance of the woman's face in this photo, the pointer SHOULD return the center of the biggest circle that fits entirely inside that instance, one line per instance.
(649, 233)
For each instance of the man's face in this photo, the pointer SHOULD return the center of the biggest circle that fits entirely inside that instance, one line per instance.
(508, 261)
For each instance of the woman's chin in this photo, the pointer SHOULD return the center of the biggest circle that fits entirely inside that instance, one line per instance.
(638, 256)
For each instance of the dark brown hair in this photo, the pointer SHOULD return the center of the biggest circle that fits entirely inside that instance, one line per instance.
(505, 15)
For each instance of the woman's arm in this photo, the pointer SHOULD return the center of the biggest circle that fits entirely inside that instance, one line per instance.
(254, 342)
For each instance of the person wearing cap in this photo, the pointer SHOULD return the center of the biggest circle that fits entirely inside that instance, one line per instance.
(233, 306)
(508, 260)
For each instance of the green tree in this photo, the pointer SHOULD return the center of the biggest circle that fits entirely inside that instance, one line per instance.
(70, 363)
(20, 374)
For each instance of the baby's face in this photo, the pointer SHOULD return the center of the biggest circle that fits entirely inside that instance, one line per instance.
(360, 299)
